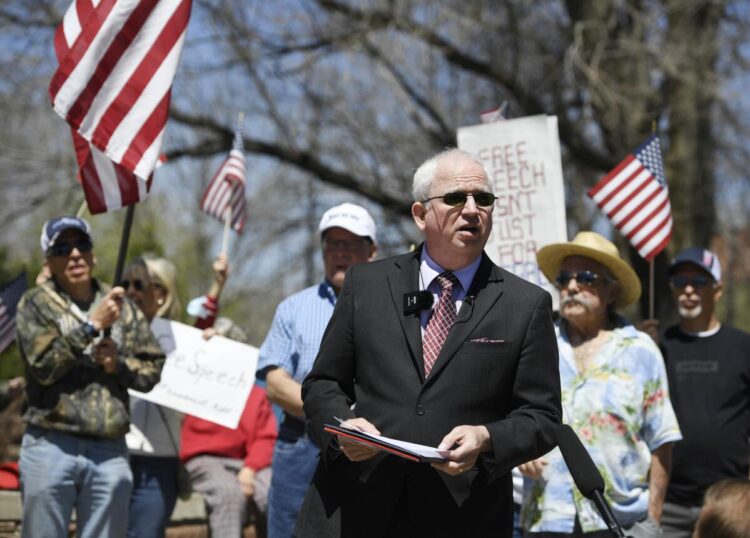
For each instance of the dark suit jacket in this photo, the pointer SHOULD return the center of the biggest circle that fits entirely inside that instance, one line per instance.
(498, 367)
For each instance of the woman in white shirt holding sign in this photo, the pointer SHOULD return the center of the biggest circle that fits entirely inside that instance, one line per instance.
(153, 440)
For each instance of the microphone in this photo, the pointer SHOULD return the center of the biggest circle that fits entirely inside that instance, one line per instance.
(416, 301)
(586, 476)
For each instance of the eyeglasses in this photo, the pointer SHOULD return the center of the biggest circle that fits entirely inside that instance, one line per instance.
(584, 278)
(64, 249)
(331, 245)
(682, 281)
(458, 198)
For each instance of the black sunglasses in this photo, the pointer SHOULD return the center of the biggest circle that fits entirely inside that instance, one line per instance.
(458, 198)
(137, 284)
(681, 281)
(64, 249)
(584, 278)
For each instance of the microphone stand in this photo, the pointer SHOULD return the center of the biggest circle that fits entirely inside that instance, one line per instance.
(606, 512)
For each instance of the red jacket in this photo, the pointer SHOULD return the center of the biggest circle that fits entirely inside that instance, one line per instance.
(252, 441)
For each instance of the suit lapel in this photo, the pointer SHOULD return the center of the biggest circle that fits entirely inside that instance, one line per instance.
(486, 288)
(404, 278)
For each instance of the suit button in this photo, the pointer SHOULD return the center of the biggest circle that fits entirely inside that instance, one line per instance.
(420, 410)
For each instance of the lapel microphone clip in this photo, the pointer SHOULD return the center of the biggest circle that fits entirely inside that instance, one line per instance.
(416, 301)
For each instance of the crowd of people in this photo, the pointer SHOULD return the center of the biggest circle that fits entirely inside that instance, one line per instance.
(438, 346)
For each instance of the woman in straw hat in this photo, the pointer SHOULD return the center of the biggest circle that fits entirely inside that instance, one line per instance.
(614, 395)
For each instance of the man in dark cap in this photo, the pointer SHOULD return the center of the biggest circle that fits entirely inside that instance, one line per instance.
(708, 366)
(73, 454)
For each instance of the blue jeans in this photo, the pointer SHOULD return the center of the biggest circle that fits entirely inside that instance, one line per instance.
(60, 472)
(292, 470)
(154, 495)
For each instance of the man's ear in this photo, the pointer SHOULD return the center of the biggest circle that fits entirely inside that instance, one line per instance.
(718, 291)
(373, 252)
(418, 211)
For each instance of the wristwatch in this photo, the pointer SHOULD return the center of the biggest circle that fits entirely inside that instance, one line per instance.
(90, 329)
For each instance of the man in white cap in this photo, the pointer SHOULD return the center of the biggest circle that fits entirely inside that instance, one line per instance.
(708, 366)
(348, 236)
(614, 395)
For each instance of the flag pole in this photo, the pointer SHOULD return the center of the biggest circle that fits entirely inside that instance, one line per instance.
(124, 240)
(227, 225)
(82, 210)
(228, 213)
(651, 288)
(651, 261)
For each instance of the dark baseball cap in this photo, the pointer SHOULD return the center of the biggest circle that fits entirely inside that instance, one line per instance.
(700, 257)
(54, 227)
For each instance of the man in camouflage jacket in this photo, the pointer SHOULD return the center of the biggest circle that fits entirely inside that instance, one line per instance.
(84, 345)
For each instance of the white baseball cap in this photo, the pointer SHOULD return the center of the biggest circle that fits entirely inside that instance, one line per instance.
(351, 217)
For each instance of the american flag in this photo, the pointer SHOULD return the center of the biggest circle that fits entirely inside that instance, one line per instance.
(10, 294)
(113, 86)
(227, 188)
(635, 198)
(496, 114)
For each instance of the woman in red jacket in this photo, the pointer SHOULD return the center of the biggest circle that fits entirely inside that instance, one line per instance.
(230, 467)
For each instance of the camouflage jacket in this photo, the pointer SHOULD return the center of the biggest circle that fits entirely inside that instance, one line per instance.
(66, 389)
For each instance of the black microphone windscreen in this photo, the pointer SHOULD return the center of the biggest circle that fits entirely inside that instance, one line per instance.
(585, 474)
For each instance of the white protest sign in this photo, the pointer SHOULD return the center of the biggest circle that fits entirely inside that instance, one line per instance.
(210, 379)
(522, 157)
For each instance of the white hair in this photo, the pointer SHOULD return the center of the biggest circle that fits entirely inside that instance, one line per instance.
(425, 174)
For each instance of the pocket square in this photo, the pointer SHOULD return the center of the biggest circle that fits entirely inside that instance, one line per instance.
(484, 340)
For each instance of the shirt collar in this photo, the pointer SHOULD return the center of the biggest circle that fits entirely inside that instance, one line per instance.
(325, 290)
(623, 328)
(429, 269)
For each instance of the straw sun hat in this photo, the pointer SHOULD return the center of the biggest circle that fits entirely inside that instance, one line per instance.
(594, 246)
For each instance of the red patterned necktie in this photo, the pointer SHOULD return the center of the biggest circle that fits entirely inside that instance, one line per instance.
(441, 321)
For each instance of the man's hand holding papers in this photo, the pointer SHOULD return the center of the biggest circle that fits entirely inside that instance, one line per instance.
(360, 440)
(353, 449)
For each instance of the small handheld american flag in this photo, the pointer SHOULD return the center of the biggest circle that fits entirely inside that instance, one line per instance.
(227, 188)
(10, 294)
(635, 198)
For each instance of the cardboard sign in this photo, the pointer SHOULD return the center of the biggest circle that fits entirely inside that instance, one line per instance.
(210, 379)
(522, 157)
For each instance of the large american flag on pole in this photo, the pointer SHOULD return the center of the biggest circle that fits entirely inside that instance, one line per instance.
(635, 198)
(227, 188)
(10, 294)
(113, 86)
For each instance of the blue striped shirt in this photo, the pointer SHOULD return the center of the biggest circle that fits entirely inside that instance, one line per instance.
(293, 341)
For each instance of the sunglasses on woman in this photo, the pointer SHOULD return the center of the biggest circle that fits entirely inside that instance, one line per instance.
(137, 283)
